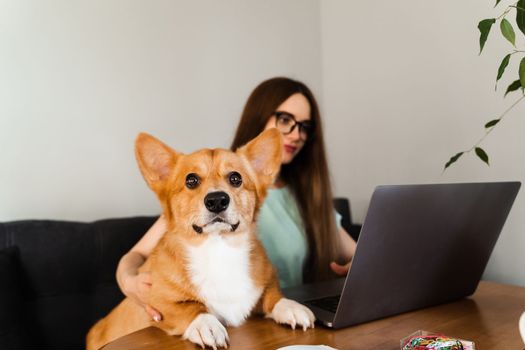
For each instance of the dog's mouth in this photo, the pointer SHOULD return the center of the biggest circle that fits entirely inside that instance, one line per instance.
(216, 220)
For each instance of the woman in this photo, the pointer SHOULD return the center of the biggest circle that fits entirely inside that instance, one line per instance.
(297, 222)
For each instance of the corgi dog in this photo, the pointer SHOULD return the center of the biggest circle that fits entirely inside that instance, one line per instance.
(209, 270)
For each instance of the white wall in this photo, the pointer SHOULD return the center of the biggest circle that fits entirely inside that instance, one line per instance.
(80, 79)
(400, 85)
(404, 89)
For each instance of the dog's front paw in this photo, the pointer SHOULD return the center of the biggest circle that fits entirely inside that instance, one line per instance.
(291, 312)
(206, 329)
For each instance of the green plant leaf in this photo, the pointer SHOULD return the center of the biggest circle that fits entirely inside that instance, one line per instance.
(520, 15)
(508, 31)
(497, 2)
(484, 28)
(513, 87)
(502, 66)
(453, 159)
(492, 123)
(522, 72)
(482, 155)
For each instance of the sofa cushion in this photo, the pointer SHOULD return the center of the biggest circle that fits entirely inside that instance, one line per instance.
(67, 275)
(14, 333)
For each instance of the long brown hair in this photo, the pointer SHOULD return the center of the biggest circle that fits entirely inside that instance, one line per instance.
(307, 175)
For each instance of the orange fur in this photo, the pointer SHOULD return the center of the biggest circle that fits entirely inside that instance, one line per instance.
(173, 291)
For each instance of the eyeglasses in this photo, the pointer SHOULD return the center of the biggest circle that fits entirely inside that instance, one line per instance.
(286, 123)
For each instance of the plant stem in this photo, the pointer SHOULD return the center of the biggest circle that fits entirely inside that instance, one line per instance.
(487, 132)
(492, 128)
(504, 13)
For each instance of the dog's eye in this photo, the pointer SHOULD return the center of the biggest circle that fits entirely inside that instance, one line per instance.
(235, 179)
(192, 181)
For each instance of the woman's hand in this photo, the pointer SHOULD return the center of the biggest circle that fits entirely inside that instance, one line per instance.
(341, 270)
(137, 287)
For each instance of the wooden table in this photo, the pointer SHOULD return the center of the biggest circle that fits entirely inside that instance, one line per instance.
(489, 318)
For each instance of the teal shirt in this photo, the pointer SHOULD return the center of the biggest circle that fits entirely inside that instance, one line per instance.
(282, 234)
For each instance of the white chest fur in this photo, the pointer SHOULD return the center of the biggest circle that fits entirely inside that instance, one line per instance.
(219, 269)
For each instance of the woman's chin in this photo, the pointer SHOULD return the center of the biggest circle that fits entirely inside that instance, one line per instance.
(287, 159)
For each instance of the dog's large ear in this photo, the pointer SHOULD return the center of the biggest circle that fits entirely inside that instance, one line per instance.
(265, 155)
(155, 160)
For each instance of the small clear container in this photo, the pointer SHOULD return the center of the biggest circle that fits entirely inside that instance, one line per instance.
(431, 340)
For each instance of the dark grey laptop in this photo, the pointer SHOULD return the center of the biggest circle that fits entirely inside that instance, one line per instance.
(420, 245)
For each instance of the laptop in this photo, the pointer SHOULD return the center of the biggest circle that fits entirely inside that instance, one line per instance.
(420, 245)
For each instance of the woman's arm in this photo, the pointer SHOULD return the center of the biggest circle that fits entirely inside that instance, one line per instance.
(348, 246)
(132, 283)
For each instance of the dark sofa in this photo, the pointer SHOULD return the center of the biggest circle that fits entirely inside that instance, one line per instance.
(57, 278)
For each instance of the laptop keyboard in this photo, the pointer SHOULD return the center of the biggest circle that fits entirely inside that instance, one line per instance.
(328, 303)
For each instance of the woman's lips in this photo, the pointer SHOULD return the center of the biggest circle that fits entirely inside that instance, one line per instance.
(290, 149)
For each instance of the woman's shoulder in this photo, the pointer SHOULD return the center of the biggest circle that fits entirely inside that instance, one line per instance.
(280, 194)
(281, 202)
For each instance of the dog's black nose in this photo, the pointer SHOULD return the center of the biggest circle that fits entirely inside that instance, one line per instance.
(217, 201)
